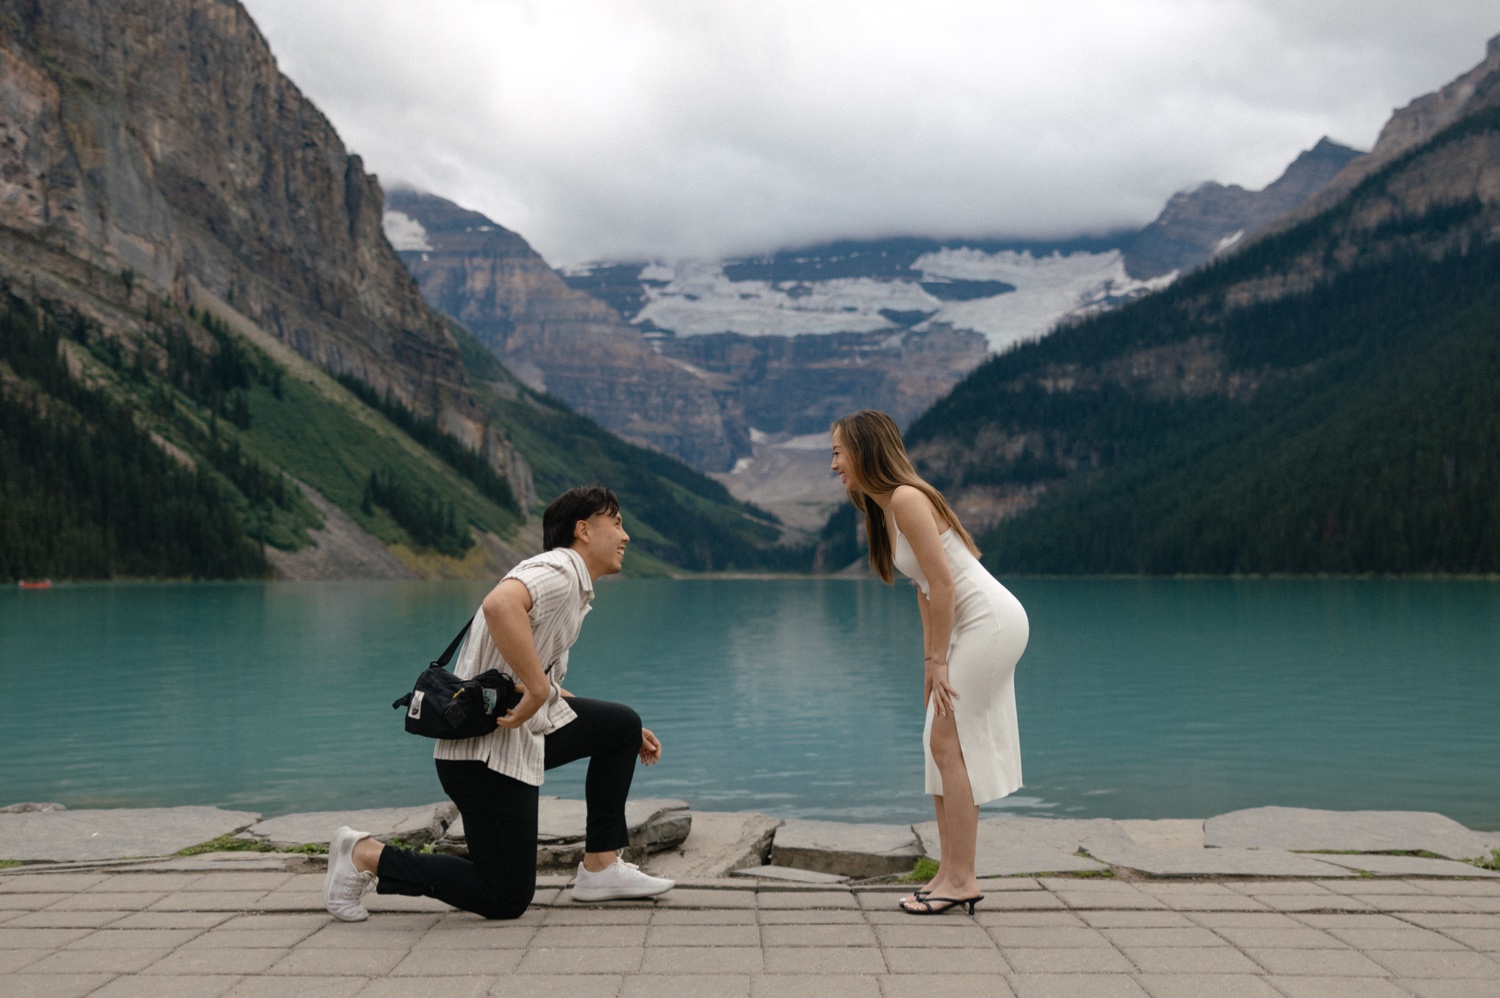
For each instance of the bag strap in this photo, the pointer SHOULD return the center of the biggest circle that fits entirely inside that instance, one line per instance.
(458, 639)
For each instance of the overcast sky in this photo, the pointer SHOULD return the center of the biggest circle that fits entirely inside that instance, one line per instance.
(631, 129)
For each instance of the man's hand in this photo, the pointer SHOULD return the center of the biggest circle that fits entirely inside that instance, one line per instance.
(650, 748)
(523, 711)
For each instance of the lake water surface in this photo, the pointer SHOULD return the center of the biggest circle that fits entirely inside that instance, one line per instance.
(800, 698)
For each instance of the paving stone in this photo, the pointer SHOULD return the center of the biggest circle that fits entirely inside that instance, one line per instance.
(1463, 919)
(852, 850)
(47, 883)
(1177, 833)
(97, 961)
(558, 986)
(200, 986)
(173, 919)
(339, 962)
(825, 960)
(1318, 962)
(161, 883)
(219, 961)
(921, 960)
(457, 963)
(12, 960)
(1244, 920)
(1137, 920)
(732, 916)
(946, 986)
(771, 900)
(1452, 988)
(1438, 963)
(1021, 901)
(66, 919)
(1312, 902)
(1206, 986)
(687, 986)
(1085, 960)
(717, 843)
(1027, 919)
(1075, 986)
(440, 987)
(943, 936)
(789, 874)
(817, 935)
(1483, 940)
(1402, 938)
(1010, 846)
(582, 960)
(689, 898)
(1190, 960)
(1226, 862)
(1308, 829)
(1114, 900)
(550, 936)
(1338, 987)
(822, 916)
(1174, 936)
(701, 960)
(135, 939)
(53, 985)
(105, 902)
(822, 986)
(702, 935)
(61, 836)
(39, 938)
(247, 938)
(1048, 937)
(1408, 866)
(296, 987)
(205, 900)
(503, 935)
(1301, 938)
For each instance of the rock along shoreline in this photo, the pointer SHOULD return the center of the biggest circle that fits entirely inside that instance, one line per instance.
(672, 840)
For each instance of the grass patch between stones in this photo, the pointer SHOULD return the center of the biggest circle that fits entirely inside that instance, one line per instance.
(7, 864)
(233, 843)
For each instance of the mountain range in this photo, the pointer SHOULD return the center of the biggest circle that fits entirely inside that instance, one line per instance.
(213, 363)
(1321, 399)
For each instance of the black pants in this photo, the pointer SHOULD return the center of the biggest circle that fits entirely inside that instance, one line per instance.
(498, 879)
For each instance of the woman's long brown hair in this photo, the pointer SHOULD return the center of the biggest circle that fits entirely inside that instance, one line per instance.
(872, 442)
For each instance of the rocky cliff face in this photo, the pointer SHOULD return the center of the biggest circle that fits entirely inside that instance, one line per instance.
(801, 384)
(158, 139)
(560, 340)
(1197, 225)
(1409, 127)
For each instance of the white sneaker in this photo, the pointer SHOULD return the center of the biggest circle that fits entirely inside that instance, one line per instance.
(344, 885)
(616, 881)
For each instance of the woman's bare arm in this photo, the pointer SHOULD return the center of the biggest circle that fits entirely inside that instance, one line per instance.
(916, 518)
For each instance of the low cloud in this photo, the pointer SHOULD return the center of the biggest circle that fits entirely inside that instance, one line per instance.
(623, 129)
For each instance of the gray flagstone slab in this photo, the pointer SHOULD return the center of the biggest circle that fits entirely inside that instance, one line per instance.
(1407, 866)
(415, 826)
(790, 874)
(1176, 861)
(846, 849)
(718, 843)
(116, 833)
(1308, 829)
(1010, 847)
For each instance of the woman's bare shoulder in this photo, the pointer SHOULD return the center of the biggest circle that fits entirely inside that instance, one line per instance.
(909, 502)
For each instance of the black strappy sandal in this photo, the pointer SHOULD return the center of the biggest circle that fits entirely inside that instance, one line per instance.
(928, 902)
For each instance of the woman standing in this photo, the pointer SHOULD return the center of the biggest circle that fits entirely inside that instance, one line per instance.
(973, 633)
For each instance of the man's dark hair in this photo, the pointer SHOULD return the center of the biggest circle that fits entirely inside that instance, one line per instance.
(562, 516)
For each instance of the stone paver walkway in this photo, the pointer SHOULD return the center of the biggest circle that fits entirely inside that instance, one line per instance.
(206, 931)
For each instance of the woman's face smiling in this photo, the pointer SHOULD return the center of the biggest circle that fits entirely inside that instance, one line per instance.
(841, 465)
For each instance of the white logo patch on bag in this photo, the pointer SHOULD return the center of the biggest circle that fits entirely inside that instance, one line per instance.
(415, 710)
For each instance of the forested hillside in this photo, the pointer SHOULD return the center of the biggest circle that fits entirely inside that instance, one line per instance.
(212, 362)
(1327, 400)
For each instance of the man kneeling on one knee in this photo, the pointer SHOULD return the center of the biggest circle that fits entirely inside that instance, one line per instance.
(524, 627)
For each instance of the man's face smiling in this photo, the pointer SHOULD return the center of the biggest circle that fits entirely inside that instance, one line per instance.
(601, 540)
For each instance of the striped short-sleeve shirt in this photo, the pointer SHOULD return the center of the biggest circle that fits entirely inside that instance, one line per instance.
(561, 595)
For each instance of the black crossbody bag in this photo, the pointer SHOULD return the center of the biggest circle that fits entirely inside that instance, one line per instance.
(441, 705)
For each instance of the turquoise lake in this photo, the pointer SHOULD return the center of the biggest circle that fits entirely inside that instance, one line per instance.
(800, 698)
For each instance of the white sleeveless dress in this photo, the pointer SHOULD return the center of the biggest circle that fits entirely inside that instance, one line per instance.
(989, 634)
